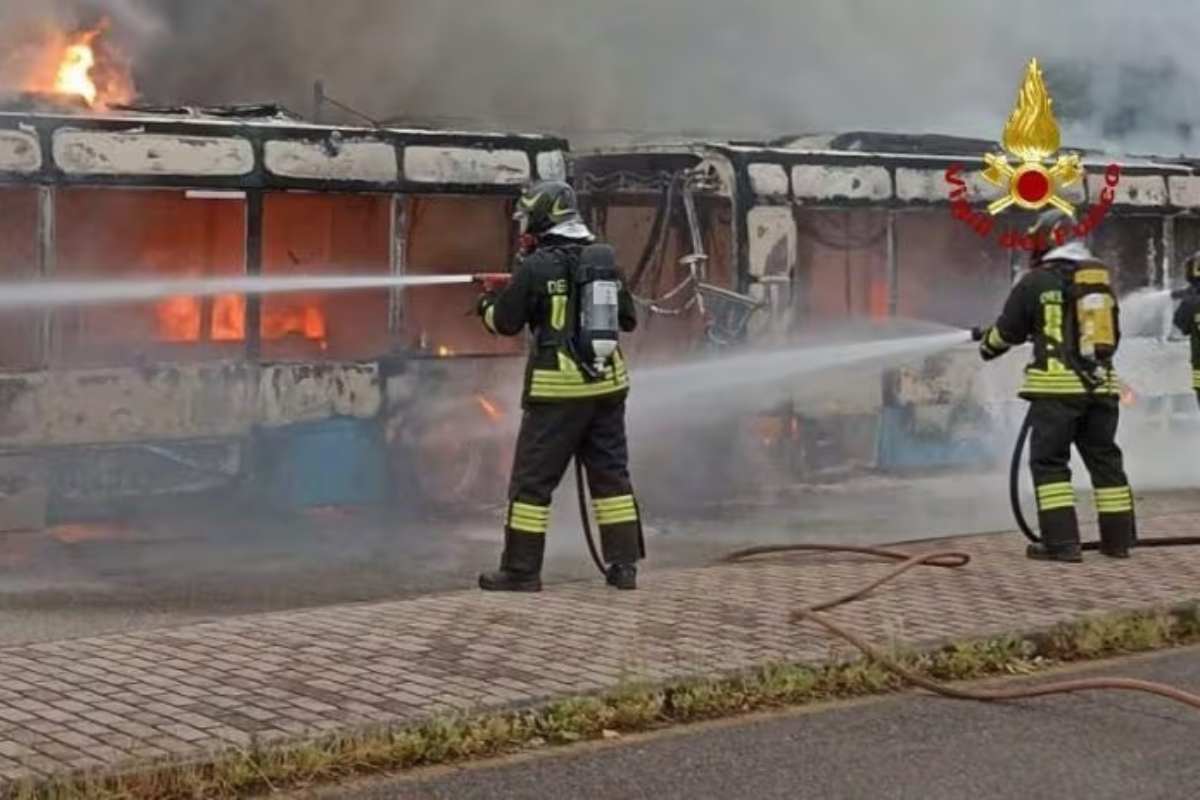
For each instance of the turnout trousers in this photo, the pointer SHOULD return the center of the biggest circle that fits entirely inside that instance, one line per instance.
(551, 434)
(1089, 423)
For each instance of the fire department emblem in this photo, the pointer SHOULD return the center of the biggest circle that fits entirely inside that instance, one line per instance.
(1031, 136)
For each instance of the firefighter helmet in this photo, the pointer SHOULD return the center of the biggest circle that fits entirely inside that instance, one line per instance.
(1043, 230)
(545, 206)
(1191, 268)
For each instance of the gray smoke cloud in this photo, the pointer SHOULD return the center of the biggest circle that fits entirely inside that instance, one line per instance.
(1123, 75)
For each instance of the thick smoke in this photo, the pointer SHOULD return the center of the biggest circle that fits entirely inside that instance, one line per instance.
(1123, 75)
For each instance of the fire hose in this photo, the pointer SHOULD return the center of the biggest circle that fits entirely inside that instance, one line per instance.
(949, 559)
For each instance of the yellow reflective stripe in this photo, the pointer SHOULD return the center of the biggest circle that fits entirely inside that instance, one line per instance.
(615, 510)
(616, 517)
(557, 378)
(624, 500)
(996, 341)
(1061, 381)
(558, 311)
(1196, 378)
(1055, 490)
(531, 510)
(1092, 276)
(489, 318)
(567, 382)
(1055, 495)
(577, 392)
(528, 518)
(1056, 503)
(1114, 500)
(573, 394)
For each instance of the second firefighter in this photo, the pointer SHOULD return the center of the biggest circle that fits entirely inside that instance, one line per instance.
(1187, 316)
(1066, 307)
(567, 292)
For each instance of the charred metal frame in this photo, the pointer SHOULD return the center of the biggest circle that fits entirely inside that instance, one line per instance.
(908, 155)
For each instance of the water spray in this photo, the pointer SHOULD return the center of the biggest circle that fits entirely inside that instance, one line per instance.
(63, 293)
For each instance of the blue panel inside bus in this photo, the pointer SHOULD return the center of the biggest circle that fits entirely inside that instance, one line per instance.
(335, 462)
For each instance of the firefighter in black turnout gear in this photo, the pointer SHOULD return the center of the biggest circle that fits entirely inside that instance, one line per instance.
(1187, 316)
(1066, 306)
(568, 292)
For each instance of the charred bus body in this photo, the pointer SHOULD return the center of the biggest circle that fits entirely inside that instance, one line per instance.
(820, 230)
(313, 399)
(369, 397)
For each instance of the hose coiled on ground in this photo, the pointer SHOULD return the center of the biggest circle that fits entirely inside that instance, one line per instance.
(948, 559)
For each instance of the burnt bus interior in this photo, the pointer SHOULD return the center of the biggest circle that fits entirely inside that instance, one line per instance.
(105, 402)
(856, 227)
(674, 233)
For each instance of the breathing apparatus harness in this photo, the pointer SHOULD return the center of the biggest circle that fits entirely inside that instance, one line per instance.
(593, 308)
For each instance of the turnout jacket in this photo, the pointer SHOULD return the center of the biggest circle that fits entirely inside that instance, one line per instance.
(539, 298)
(1187, 320)
(1036, 310)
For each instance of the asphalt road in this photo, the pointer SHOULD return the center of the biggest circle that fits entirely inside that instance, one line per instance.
(1117, 746)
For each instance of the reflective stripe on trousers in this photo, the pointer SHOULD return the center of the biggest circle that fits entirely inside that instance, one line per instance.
(615, 510)
(1052, 496)
(528, 518)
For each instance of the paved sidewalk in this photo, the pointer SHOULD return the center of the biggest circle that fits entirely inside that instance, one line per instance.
(107, 700)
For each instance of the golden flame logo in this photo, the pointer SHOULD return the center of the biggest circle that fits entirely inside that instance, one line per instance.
(1031, 135)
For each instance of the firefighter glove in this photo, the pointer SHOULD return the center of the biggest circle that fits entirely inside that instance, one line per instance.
(991, 346)
(485, 307)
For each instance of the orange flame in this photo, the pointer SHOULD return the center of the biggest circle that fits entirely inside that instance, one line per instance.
(489, 408)
(180, 319)
(229, 318)
(83, 65)
(1128, 395)
(75, 72)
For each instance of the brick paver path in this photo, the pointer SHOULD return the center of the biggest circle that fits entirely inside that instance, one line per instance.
(108, 700)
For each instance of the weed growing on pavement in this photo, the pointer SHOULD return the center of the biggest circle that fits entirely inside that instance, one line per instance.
(631, 708)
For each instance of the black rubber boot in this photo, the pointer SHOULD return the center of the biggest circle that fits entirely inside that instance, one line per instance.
(1060, 537)
(1071, 553)
(1116, 535)
(520, 565)
(622, 576)
(621, 548)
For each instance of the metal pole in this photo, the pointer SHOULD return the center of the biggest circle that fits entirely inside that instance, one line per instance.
(47, 266)
(318, 100)
(893, 267)
(400, 219)
(1168, 269)
(254, 265)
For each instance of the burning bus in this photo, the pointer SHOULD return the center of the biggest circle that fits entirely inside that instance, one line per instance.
(813, 231)
(364, 397)
(315, 398)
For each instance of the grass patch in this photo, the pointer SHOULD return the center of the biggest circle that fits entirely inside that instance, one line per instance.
(629, 709)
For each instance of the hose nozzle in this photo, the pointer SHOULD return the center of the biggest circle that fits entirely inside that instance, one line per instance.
(977, 334)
